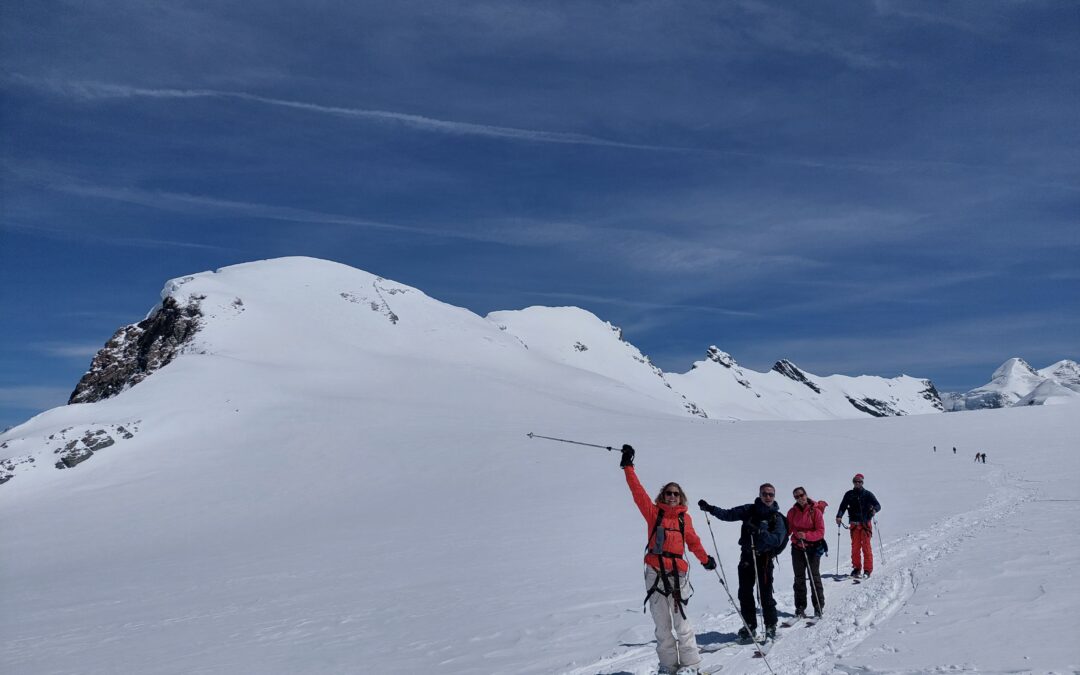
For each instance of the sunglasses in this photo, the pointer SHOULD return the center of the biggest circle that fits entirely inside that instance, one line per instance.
(768, 494)
(800, 495)
(672, 493)
(857, 482)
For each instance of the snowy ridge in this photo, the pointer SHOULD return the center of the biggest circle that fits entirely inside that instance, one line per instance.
(726, 390)
(577, 338)
(1065, 372)
(1016, 383)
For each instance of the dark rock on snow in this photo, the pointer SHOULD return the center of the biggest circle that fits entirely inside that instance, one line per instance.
(137, 350)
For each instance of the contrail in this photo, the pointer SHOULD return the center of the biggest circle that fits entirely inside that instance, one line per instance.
(95, 90)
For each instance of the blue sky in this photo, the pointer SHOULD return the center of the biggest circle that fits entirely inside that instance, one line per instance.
(877, 187)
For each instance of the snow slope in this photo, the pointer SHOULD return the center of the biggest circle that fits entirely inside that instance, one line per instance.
(1049, 392)
(577, 338)
(337, 480)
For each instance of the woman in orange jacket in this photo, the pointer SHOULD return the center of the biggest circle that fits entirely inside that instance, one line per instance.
(670, 532)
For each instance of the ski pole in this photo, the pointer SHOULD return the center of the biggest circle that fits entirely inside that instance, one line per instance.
(757, 575)
(838, 550)
(881, 546)
(813, 587)
(563, 440)
(837, 553)
(721, 576)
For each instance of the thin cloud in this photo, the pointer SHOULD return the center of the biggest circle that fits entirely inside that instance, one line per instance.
(30, 397)
(117, 240)
(642, 304)
(643, 251)
(99, 90)
(66, 350)
(926, 347)
(870, 165)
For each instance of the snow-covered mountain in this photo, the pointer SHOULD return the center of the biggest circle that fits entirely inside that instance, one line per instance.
(297, 467)
(324, 322)
(576, 338)
(1017, 383)
(723, 388)
(313, 316)
(1065, 372)
(1049, 392)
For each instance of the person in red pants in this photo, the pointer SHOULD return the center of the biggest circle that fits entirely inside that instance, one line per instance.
(861, 505)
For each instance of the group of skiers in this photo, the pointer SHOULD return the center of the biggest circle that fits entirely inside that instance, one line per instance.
(765, 533)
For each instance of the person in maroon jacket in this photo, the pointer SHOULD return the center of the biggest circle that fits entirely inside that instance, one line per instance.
(670, 533)
(806, 520)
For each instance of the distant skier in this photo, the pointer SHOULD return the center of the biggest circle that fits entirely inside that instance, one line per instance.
(861, 505)
(666, 581)
(806, 519)
(984, 458)
(954, 450)
(763, 536)
(935, 448)
(978, 456)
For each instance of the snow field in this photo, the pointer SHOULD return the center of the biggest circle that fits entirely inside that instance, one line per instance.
(323, 489)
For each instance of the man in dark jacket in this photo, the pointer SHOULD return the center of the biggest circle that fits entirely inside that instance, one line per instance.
(861, 505)
(763, 536)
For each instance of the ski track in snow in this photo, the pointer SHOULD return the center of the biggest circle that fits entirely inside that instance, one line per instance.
(852, 612)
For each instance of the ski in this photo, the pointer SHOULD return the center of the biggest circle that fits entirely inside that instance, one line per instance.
(712, 649)
(765, 647)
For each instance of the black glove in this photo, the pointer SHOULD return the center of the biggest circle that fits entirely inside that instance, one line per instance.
(710, 564)
(703, 505)
(627, 456)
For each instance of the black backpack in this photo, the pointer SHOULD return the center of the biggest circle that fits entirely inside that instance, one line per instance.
(770, 535)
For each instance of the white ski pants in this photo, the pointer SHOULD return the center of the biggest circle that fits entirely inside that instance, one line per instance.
(673, 653)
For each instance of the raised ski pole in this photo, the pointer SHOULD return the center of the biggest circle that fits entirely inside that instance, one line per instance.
(563, 440)
(721, 576)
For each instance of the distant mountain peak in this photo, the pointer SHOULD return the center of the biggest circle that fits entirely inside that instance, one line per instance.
(791, 371)
(1016, 383)
(717, 355)
(1015, 367)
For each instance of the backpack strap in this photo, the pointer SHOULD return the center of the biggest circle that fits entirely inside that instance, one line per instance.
(669, 581)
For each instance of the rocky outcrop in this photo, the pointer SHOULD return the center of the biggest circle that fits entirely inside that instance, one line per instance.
(931, 394)
(717, 355)
(136, 351)
(82, 449)
(873, 406)
(791, 371)
(8, 467)
(69, 447)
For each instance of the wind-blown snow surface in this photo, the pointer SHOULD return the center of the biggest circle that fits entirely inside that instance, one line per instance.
(284, 510)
